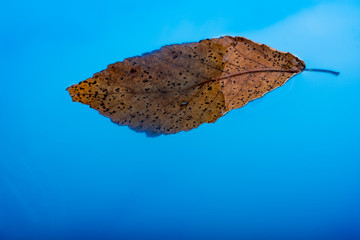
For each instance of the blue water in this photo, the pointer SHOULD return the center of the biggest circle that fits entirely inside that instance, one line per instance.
(285, 166)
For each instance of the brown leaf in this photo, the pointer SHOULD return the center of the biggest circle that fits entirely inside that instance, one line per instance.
(181, 86)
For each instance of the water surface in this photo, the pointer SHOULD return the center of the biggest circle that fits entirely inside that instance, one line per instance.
(285, 166)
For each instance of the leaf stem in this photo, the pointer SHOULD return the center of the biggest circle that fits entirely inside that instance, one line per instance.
(322, 70)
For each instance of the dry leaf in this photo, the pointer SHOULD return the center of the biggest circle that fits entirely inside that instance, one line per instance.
(181, 86)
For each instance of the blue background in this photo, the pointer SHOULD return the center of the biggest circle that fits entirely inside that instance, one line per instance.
(285, 166)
